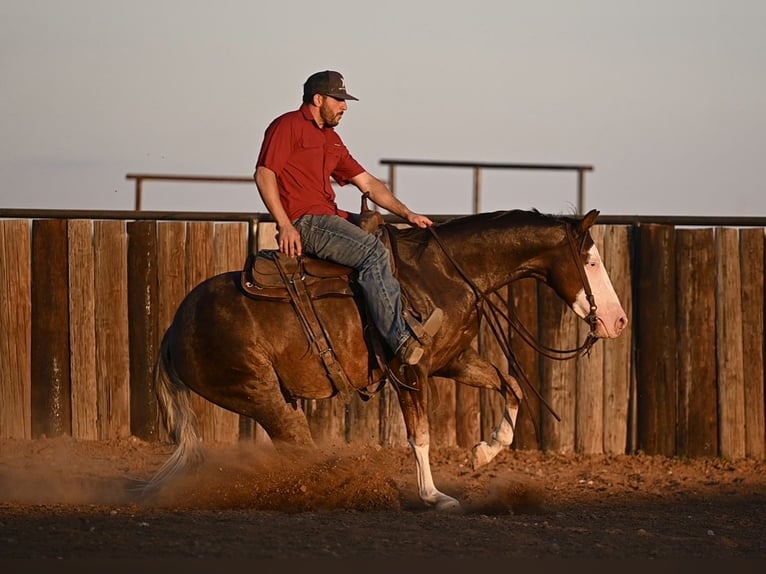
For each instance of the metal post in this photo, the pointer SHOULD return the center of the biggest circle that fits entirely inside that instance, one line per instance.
(138, 193)
(476, 188)
(391, 168)
(580, 191)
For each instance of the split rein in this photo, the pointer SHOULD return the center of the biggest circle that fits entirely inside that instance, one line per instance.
(490, 310)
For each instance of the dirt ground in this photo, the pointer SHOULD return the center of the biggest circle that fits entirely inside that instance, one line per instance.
(67, 499)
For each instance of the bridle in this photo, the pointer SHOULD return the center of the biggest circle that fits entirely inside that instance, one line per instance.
(482, 298)
(591, 318)
(490, 310)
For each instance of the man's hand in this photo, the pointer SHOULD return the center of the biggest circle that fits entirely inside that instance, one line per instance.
(419, 220)
(289, 240)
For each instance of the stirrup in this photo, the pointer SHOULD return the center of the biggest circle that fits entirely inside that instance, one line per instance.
(424, 331)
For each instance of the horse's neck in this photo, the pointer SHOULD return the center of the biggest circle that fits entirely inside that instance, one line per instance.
(494, 257)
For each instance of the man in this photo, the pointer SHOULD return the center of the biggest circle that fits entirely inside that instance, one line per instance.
(300, 153)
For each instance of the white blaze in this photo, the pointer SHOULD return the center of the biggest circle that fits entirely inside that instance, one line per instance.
(611, 316)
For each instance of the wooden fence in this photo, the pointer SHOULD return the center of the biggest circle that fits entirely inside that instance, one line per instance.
(85, 302)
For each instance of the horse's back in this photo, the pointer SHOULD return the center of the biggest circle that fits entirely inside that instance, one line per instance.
(220, 326)
(218, 307)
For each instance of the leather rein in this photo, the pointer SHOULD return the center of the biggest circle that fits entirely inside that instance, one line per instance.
(487, 308)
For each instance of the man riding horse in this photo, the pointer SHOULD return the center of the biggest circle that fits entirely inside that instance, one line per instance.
(300, 152)
(239, 351)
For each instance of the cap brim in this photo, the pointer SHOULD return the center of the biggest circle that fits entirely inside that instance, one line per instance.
(343, 97)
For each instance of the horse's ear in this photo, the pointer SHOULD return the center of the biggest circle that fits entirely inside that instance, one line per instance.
(589, 219)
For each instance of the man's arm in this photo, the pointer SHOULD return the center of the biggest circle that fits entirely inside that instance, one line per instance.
(382, 196)
(288, 238)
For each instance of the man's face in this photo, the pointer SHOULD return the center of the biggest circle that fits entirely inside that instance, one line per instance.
(331, 111)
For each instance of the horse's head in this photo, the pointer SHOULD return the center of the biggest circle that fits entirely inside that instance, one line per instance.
(490, 250)
(581, 279)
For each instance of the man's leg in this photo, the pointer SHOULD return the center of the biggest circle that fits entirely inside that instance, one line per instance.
(336, 239)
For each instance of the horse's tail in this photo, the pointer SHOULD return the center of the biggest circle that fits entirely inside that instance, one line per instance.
(174, 399)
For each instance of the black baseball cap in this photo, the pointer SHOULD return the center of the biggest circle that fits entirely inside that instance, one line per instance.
(327, 83)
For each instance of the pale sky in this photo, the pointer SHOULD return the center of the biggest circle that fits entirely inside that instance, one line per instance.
(665, 98)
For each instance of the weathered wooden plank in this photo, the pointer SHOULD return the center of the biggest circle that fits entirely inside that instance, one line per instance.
(82, 329)
(111, 322)
(171, 269)
(697, 389)
(144, 334)
(230, 251)
(618, 353)
(199, 260)
(51, 384)
(526, 367)
(267, 235)
(731, 384)
(751, 245)
(558, 330)
(589, 387)
(16, 326)
(655, 327)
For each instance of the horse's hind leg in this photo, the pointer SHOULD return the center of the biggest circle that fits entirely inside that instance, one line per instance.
(284, 422)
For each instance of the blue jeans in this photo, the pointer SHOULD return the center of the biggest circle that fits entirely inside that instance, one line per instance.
(336, 239)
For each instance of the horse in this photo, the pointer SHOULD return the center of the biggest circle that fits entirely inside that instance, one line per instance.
(250, 355)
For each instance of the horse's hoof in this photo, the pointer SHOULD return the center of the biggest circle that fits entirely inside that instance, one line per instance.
(441, 502)
(481, 455)
(447, 504)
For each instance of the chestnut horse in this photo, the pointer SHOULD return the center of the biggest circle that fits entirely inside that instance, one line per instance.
(250, 356)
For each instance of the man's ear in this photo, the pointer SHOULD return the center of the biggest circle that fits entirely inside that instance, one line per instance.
(317, 99)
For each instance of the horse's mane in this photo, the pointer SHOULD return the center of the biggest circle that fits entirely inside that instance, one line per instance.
(514, 216)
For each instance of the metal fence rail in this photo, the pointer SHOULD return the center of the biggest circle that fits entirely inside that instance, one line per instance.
(140, 178)
(477, 168)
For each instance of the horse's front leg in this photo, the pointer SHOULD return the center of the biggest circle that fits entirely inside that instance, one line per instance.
(414, 409)
(501, 438)
(470, 368)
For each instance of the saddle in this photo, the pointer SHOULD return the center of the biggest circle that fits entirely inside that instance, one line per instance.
(273, 276)
(269, 274)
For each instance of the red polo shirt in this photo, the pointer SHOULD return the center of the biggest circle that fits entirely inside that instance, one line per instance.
(304, 157)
